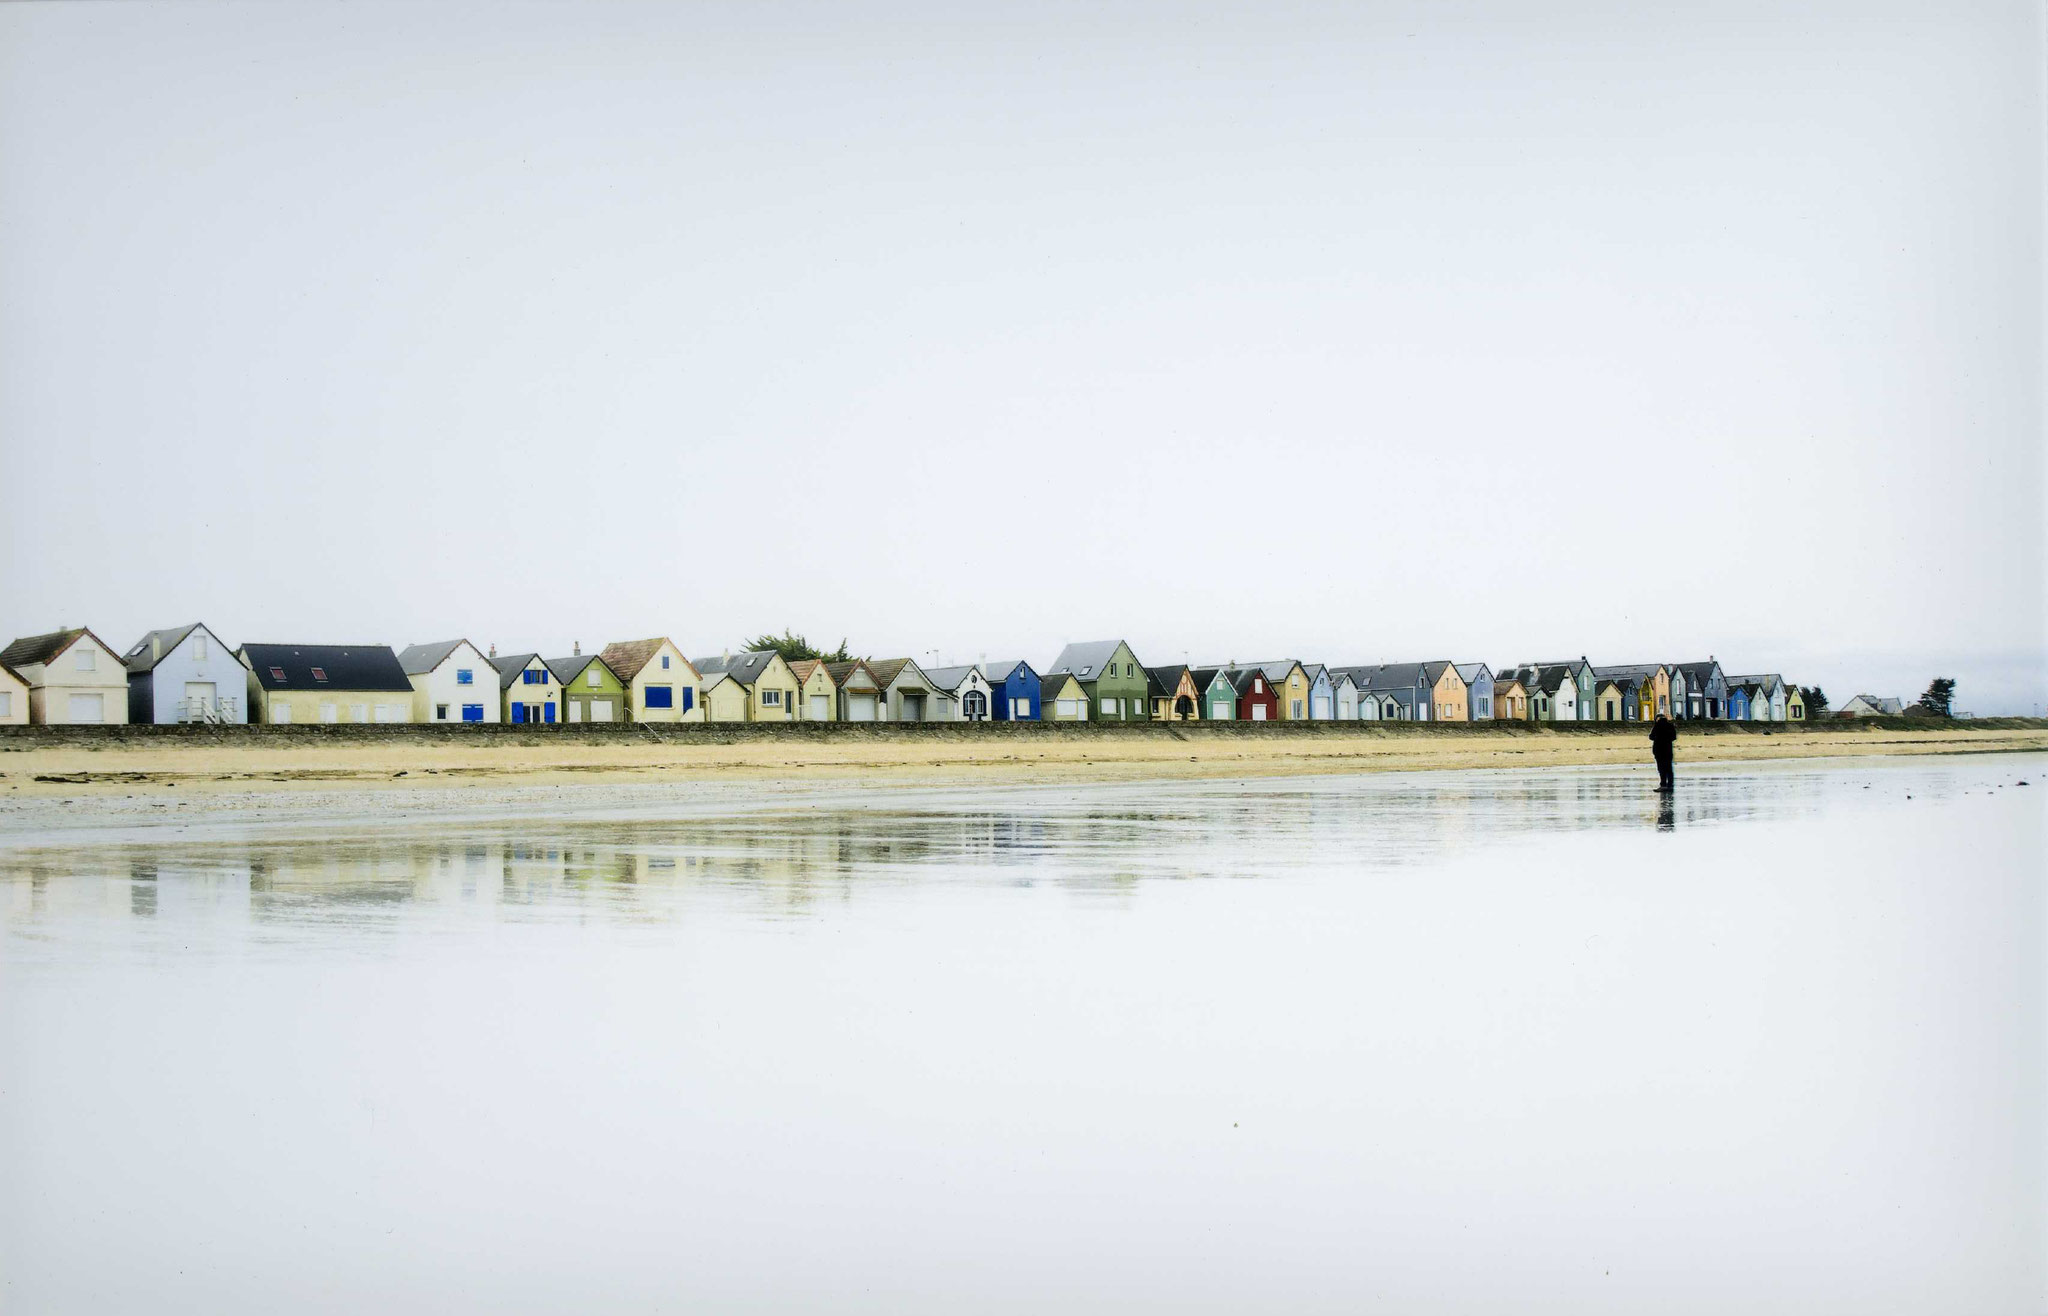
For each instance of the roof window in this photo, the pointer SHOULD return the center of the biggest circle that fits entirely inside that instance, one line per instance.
(320, 675)
(277, 674)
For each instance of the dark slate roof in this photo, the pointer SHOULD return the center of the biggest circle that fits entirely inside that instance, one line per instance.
(1640, 671)
(32, 649)
(1165, 680)
(997, 673)
(510, 665)
(949, 678)
(568, 669)
(141, 658)
(1091, 655)
(1698, 673)
(347, 666)
(1241, 679)
(419, 659)
(1204, 677)
(746, 668)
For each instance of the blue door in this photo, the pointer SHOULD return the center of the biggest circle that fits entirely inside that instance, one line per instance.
(472, 712)
(518, 711)
(551, 711)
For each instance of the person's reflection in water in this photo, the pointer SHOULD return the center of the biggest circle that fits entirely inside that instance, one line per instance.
(1667, 812)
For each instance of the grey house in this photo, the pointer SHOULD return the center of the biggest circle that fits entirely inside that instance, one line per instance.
(185, 674)
(1706, 690)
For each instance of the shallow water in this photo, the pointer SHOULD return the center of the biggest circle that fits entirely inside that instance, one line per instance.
(1475, 1042)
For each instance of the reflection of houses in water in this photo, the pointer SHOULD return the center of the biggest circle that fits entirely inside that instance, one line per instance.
(1100, 838)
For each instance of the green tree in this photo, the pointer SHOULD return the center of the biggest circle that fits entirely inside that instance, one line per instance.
(1816, 702)
(793, 647)
(1939, 700)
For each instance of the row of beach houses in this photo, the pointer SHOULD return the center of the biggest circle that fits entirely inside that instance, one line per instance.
(187, 674)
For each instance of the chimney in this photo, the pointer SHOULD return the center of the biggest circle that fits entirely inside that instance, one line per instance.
(494, 650)
(577, 648)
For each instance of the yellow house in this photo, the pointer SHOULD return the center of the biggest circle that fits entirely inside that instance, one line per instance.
(1061, 698)
(527, 688)
(817, 695)
(1450, 700)
(1290, 688)
(1175, 696)
(1608, 697)
(1510, 700)
(1795, 704)
(661, 686)
(315, 683)
(758, 687)
(13, 698)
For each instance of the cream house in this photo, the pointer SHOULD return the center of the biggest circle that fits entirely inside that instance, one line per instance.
(73, 678)
(13, 698)
(661, 686)
(817, 694)
(757, 687)
(860, 694)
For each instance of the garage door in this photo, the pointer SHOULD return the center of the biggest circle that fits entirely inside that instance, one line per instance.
(821, 708)
(600, 710)
(860, 708)
(88, 708)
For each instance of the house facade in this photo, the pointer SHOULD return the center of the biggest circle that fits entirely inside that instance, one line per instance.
(301, 684)
(1118, 689)
(765, 687)
(13, 698)
(73, 677)
(530, 693)
(1510, 697)
(1175, 696)
(1706, 690)
(907, 693)
(1795, 704)
(963, 693)
(1257, 700)
(1014, 691)
(1478, 679)
(661, 685)
(452, 681)
(1871, 706)
(1767, 698)
(1064, 698)
(185, 674)
(591, 691)
(860, 694)
(1219, 696)
(1449, 697)
(817, 697)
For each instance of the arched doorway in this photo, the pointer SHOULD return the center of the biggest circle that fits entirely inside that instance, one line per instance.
(1184, 709)
(974, 706)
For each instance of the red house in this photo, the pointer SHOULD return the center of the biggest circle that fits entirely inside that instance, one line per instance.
(1256, 701)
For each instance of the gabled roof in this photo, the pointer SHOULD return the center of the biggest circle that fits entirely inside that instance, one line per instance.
(1540, 677)
(568, 669)
(746, 668)
(841, 673)
(33, 649)
(887, 670)
(950, 678)
(1700, 672)
(997, 673)
(1434, 671)
(1574, 663)
(716, 679)
(1092, 655)
(627, 657)
(1204, 677)
(802, 668)
(510, 665)
(369, 667)
(1241, 679)
(419, 659)
(1641, 671)
(144, 657)
(1473, 673)
(1165, 680)
(1058, 680)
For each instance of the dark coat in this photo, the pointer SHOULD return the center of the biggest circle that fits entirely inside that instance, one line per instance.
(1663, 734)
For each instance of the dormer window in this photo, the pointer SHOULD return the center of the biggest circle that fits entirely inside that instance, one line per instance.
(277, 675)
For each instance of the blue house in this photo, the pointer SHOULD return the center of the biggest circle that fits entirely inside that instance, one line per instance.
(1322, 695)
(1478, 678)
(1705, 693)
(1738, 703)
(185, 674)
(1013, 691)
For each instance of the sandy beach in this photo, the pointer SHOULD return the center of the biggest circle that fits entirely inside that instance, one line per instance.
(126, 783)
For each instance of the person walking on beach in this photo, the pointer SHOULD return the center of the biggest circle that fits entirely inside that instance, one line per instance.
(1663, 734)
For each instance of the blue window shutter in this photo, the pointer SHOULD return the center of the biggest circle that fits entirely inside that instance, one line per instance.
(550, 706)
(462, 676)
(689, 698)
(518, 711)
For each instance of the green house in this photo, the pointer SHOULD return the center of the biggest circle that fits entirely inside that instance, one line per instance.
(1118, 689)
(590, 689)
(1219, 696)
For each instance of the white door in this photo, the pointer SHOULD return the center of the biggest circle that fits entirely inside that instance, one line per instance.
(281, 714)
(821, 708)
(88, 708)
(575, 710)
(329, 713)
(390, 713)
(860, 708)
(600, 710)
(199, 697)
(1258, 712)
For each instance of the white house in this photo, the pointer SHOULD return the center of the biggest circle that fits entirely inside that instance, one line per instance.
(1871, 706)
(73, 677)
(964, 694)
(452, 681)
(185, 674)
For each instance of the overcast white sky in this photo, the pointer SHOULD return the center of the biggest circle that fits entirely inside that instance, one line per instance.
(1367, 332)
